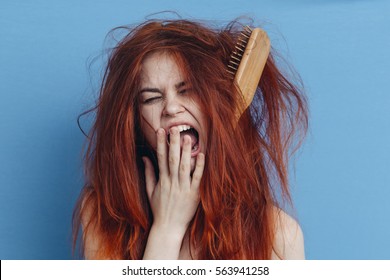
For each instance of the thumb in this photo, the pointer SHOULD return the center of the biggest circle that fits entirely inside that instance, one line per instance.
(150, 177)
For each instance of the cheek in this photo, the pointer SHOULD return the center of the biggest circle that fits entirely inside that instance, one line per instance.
(204, 124)
(150, 137)
(149, 125)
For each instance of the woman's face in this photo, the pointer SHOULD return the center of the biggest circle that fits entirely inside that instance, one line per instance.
(166, 101)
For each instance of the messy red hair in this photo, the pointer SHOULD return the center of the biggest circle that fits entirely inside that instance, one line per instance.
(246, 165)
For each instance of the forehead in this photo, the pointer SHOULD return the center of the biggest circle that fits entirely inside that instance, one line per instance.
(160, 68)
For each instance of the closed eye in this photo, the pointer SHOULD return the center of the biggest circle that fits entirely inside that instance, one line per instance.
(182, 88)
(151, 100)
(150, 95)
(184, 91)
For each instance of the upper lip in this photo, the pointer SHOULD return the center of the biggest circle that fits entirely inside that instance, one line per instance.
(178, 123)
(173, 124)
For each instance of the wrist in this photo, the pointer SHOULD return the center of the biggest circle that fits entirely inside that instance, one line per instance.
(168, 233)
(164, 242)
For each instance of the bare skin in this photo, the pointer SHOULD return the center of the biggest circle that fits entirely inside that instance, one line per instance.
(288, 244)
(166, 108)
(174, 198)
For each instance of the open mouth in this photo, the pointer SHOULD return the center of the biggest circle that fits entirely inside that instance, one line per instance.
(190, 131)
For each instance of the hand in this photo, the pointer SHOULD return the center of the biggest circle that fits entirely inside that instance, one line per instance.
(175, 197)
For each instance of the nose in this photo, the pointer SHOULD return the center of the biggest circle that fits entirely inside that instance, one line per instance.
(172, 106)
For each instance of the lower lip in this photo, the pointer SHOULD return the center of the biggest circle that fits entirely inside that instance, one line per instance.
(195, 153)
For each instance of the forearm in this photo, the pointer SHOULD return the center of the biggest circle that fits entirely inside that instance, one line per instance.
(175, 197)
(163, 243)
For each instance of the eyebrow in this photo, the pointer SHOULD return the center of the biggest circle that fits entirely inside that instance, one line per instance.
(150, 90)
(147, 89)
(180, 85)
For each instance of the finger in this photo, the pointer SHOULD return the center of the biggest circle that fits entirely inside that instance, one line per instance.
(150, 177)
(198, 172)
(174, 152)
(162, 153)
(185, 162)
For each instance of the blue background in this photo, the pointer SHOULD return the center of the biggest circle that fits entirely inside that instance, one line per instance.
(341, 182)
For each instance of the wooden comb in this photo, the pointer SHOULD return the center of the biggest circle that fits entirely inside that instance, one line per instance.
(247, 63)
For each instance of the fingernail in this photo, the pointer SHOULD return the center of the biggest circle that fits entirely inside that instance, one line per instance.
(160, 131)
(174, 130)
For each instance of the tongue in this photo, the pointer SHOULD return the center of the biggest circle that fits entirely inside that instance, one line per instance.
(194, 140)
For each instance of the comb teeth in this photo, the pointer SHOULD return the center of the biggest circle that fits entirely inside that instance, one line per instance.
(235, 57)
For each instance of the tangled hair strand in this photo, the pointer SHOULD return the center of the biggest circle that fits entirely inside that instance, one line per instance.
(235, 218)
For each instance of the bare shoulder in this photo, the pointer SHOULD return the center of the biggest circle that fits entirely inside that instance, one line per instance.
(289, 243)
(91, 235)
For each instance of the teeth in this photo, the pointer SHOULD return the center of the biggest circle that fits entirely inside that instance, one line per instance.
(182, 128)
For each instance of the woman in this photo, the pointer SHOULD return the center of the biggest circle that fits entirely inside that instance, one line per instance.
(170, 173)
